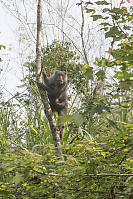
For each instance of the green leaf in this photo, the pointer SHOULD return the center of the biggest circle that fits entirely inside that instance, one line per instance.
(90, 10)
(96, 17)
(2, 46)
(127, 28)
(77, 119)
(104, 62)
(102, 3)
(105, 24)
(129, 126)
(113, 32)
(101, 75)
(87, 70)
(17, 178)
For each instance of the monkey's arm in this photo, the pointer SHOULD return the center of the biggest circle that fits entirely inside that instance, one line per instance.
(50, 90)
(44, 76)
(41, 85)
(55, 91)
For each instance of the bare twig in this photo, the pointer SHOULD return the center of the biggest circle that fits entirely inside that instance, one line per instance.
(82, 36)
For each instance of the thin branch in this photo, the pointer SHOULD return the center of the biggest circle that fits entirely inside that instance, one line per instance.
(87, 175)
(82, 36)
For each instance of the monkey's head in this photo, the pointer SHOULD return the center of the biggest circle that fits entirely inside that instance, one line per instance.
(60, 77)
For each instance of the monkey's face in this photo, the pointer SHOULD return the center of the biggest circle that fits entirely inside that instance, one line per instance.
(61, 78)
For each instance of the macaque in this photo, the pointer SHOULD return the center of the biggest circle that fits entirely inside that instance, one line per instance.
(56, 87)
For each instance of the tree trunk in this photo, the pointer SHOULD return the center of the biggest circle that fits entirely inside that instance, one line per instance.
(43, 93)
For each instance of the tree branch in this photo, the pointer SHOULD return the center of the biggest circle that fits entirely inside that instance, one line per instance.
(82, 36)
(43, 93)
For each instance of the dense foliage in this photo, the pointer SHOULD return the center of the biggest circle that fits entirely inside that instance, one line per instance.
(98, 142)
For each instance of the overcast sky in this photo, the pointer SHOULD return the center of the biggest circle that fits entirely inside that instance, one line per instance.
(11, 75)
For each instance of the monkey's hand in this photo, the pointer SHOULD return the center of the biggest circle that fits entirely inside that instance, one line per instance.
(43, 72)
(42, 86)
(61, 104)
(45, 78)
